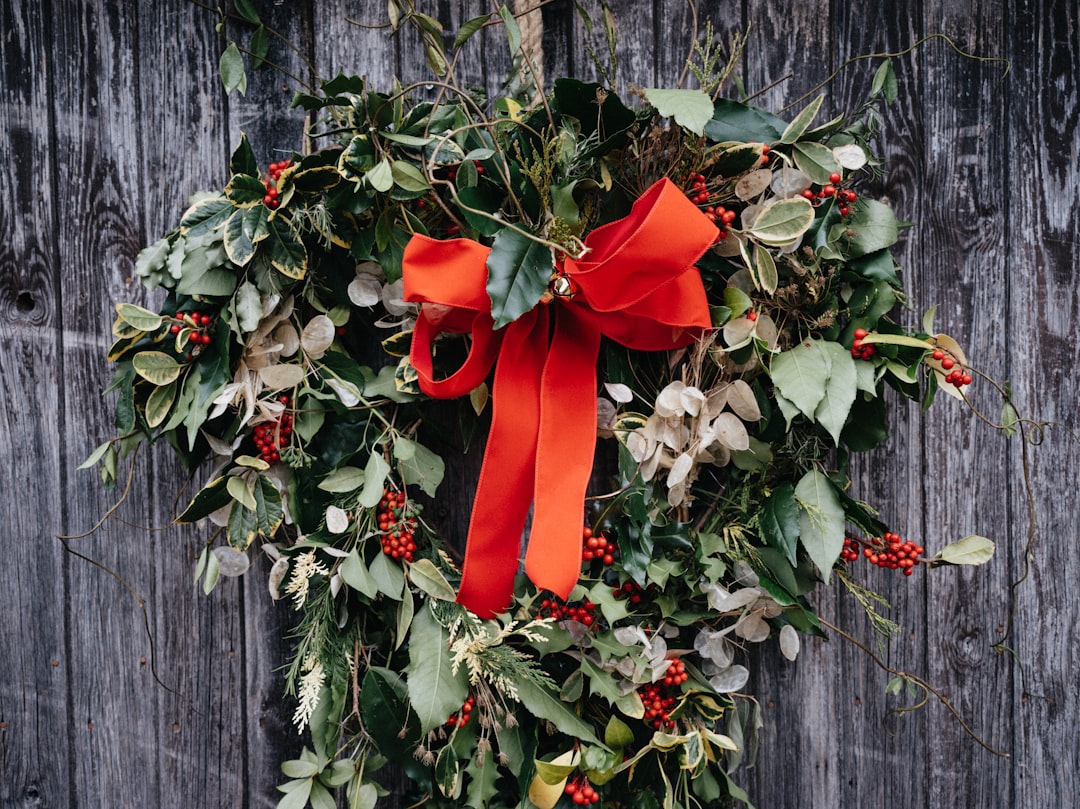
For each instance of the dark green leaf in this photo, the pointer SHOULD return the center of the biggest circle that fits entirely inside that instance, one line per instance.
(206, 215)
(870, 227)
(244, 190)
(434, 691)
(519, 269)
(287, 253)
(246, 9)
(243, 160)
(242, 527)
(268, 510)
(258, 46)
(779, 521)
(385, 711)
(468, 29)
(733, 121)
(885, 82)
(209, 499)
(541, 702)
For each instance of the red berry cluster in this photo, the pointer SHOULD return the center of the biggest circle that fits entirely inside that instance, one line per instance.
(699, 189)
(276, 169)
(581, 791)
(860, 351)
(630, 590)
(195, 326)
(956, 376)
(843, 196)
(764, 154)
(461, 718)
(271, 436)
(583, 612)
(657, 706)
(723, 217)
(597, 547)
(892, 552)
(850, 553)
(397, 523)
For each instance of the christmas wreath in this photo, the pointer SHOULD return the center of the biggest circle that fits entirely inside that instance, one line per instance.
(689, 283)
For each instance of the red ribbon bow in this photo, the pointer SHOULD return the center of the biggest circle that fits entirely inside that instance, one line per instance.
(635, 286)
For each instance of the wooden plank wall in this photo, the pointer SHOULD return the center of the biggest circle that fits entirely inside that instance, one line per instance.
(112, 115)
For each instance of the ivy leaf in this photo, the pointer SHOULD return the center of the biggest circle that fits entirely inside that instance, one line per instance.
(418, 465)
(691, 109)
(434, 691)
(832, 411)
(783, 221)
(518, 273)
(231, 67)
(800, 376)
(971, 550)
(821, 520)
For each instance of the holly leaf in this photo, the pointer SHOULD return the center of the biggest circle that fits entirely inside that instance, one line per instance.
(243, 160)
(821, 520)
(287, 253)
(434, 691)
(205, 216)
(268, 509)
(242, 526)
(518, 272)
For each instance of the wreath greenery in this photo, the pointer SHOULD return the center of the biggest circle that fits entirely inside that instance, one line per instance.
(291, 350)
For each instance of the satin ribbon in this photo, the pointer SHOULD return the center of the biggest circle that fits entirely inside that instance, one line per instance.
(637, 285)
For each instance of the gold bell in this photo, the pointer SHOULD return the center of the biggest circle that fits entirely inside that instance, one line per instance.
(562, 287)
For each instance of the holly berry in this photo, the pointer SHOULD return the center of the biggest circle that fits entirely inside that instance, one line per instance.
(835, 178)
(581, 791)
(889, 551)
(860, 350)
(461, 718)
(584, 612)
(597, 547)
(397, 522)
(271, 436)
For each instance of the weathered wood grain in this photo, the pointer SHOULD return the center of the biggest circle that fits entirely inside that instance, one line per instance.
(113, 114)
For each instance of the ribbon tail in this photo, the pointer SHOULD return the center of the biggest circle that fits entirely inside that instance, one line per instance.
(504, 490)
(565, 447)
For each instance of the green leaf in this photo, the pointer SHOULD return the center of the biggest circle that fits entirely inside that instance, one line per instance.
(434, 691)
(482, 782)
(300, 768)
(374, 476)
(898, 340)
(156, 367)
(159, 403)
(405, 614)
(801, 122)
(238, 490)
(545, 704)
(258, 46)
(269, 512)
(767, 277)
(231, 67)
(408, 177)
(518, 272)
(213, 573)
(971, 550)
(388, 575)
(209, 499)
(821, 520)
(246, 10)
(816, 161)
(779, 521)
(733, 121)
(343, 480)
(381, 177)
(468, 29)
(513, 30)
(96, 455)
(832, 411)
(356, 574)
(618, 734)
(244, 190)
(783, 221)
(142, 319)
(418, 465)
(287, 253)
(429, 579)
(386, 715)
(241, 528)
(800, 375)
(873, 225)
(206, 215)
(691, 109)
(885, 82)
(152, 259)
(243, 160)
(448, 772)
(240, 227)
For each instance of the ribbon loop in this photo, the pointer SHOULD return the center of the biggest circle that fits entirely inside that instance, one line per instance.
(639, 288)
